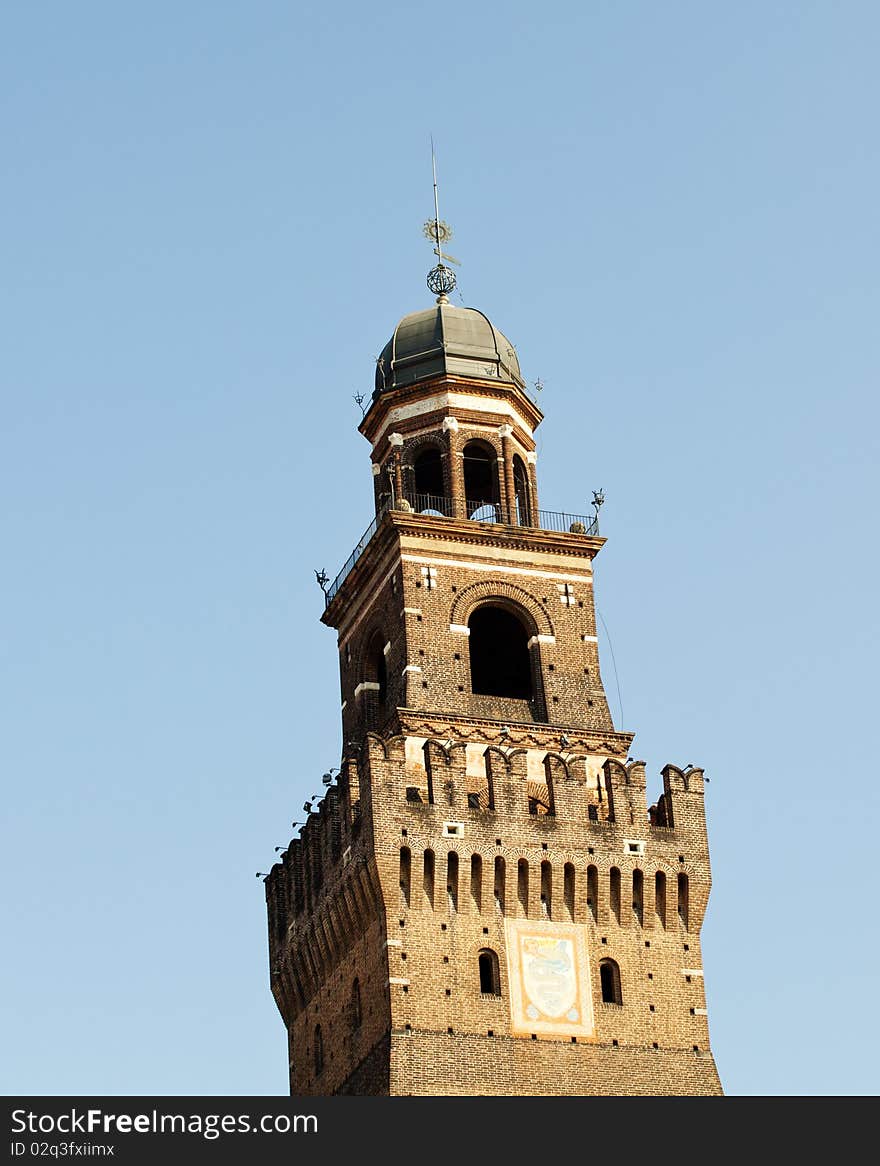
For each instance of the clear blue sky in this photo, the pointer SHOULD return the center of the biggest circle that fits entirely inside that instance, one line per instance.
(211, 222)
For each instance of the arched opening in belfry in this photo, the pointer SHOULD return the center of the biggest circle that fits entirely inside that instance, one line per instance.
(480, 467)
(521, 493)
(499, 653)
(427, 477)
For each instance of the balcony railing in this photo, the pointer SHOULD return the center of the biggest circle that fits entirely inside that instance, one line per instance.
(477, 511)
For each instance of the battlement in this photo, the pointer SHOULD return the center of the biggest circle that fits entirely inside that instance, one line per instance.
(446, 793)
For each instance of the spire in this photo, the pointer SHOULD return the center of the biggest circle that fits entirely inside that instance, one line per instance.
(441, 279)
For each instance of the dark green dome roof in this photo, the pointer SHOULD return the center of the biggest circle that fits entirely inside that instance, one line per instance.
(446, 339)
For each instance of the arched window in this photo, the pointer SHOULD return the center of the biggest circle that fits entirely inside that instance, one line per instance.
(614, 892)
(498, 887)
(660, 897)
(546, 890)
(521, 492)
(319, 1050)
(638, 899)
(609, 976)
(480, 463)
(405, 873)
(428, 877)
(522, 885)
(568, 889)
(428, 483)
(452, 880)
(593, 891)
(477, 882)
(683, 899)
(490, 977)
(499, 653)
(355, 1005)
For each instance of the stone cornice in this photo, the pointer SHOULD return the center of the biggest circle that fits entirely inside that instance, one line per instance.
(398, 523)
(371, 425)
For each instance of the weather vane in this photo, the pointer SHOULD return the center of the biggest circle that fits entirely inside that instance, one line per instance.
(441, 279)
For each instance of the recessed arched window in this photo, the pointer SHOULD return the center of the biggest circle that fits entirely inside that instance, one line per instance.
(683, 904)
(477, 882)
(375, 667)
(568, 889)
(638, 899)
(452, 881)
(355, 1004)
(480, 464)
(522, 885)
(319, 1050)
(660, 897)
(499, 653)
(490, 977)
(405, 873)
(498, 884)
(593, 891)
(609, 977)
(614, 892)
(546, 890)
(521, 492)
(428, 480)
(428, 877)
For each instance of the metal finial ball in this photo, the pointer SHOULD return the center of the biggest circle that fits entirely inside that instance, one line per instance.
(441, 280)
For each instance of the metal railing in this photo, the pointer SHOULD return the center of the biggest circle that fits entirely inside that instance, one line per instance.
(438, 506)
(360, 547)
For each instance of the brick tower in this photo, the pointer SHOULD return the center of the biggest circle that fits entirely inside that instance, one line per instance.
(483, 902)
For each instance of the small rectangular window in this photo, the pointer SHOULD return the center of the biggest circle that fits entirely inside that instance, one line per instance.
(453, 829)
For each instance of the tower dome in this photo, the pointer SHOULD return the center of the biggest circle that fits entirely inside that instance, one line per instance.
(446, 339)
